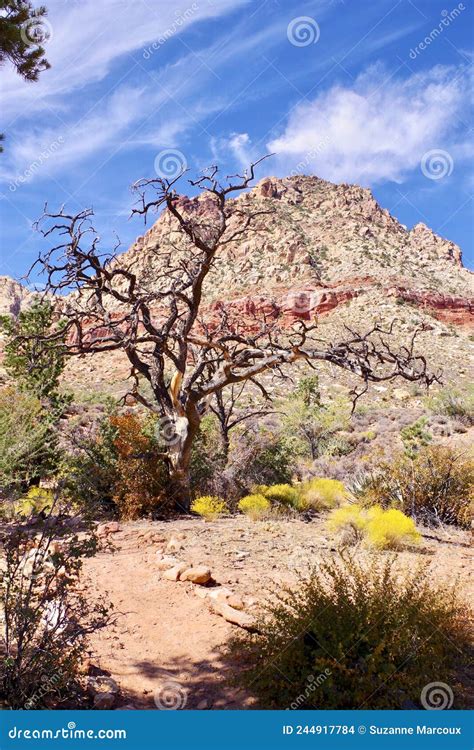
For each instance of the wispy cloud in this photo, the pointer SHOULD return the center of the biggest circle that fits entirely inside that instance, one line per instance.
(378, 129)
(88, 38)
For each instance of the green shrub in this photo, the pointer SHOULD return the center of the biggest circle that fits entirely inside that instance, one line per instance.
(254, 506)
(451, 402)
(46, 613)
(415, 436)
(89, 475)
(320, 493)
(435, 486)
(384, 529)
(355, 636)
(28, 444)
(207, 459)
(209, 507)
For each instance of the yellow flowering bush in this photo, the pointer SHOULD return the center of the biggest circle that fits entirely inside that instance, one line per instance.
(319, 493)
(383, 529)
(254, 506)
(209, 507)
(390, 528)
(35, 500)
(283, 494)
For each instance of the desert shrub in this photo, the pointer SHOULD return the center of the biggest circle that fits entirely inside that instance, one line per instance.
(320, 493)
(141, 477)
(45, 612)
(390, 529)
(348, 519)
(207, 459)
(28, 444)
(310, 427)
(451, 402)
(209, 507)
(283, 494)
(415, 436)
(437, 485)
(383, 529)
(254, 506)
(37, 500)
(272, 461)
(35, 365)
(355, 635)
(257, 456)
(89, 474)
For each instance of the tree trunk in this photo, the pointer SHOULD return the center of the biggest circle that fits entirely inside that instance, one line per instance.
(180, 489)
(181, 428)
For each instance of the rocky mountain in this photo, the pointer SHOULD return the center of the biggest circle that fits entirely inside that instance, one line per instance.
(318, 248)
(321, 245)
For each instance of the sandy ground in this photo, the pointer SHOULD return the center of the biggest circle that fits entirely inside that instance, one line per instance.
(167, 647)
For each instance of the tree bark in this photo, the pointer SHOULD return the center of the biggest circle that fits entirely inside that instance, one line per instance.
(186, 424)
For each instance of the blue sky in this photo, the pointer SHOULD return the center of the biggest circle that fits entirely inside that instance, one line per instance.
(374, 93)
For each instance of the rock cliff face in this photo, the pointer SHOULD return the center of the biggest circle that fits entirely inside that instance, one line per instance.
(12, 296)
(317, 250)
(318, 245)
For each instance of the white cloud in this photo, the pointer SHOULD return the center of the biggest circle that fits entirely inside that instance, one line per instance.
(90, 36)
(376, 131)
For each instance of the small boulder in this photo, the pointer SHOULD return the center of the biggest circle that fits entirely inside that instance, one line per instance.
(203, 705)
(200, 574)
(104, 701)
(166, 563)
(111, 527)
(221, 592)
(235, 602)
(173, 574)
(236, 617)
(174, 545)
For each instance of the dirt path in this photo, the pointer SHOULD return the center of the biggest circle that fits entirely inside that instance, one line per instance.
(166, 648)
(166, 643)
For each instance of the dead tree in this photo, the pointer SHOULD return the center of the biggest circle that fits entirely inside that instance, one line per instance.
(230, 412)
(165, 330)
